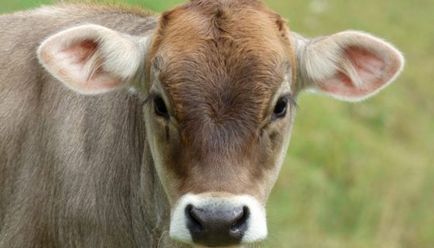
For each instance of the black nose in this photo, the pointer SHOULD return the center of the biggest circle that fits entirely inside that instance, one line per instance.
(211, 226)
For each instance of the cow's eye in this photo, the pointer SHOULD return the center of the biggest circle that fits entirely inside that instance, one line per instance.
(280, 108)
(160, 107)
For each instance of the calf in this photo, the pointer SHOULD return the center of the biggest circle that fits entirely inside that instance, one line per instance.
(120, 128)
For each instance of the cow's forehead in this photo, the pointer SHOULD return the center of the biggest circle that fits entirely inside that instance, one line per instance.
(222, 84)
(248, 22)
(222, 53)
(221, 66)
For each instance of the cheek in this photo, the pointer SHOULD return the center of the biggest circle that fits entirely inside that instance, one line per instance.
(277, 145)
(160, 138)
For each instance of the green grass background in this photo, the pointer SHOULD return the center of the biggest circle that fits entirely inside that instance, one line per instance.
(356, 175)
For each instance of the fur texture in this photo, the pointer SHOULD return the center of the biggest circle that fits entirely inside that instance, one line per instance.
(104, 171)
(73, 169)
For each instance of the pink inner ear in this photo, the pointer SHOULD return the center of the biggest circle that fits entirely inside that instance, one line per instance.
(369, 67)
(84, 71)
(372, 70)
(81, 51)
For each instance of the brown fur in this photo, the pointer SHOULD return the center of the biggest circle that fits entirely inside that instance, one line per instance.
(74, 170)
(220, 77)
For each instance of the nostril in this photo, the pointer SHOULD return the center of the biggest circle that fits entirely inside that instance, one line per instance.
(240, 222)
(193, 217)
(217, 226)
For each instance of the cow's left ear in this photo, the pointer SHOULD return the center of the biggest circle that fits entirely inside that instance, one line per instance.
(92, 59)
(350, 65)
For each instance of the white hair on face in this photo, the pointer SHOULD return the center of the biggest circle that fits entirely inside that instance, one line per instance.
(256, 223)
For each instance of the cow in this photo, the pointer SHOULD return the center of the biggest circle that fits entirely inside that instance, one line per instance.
(124, 128)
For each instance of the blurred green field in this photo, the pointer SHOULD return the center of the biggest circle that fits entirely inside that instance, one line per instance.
(356, 175)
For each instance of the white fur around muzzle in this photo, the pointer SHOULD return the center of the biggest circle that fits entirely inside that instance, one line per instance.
(257, 223)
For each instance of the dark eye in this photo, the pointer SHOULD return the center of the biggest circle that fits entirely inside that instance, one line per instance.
(160, 107)
(280, 108)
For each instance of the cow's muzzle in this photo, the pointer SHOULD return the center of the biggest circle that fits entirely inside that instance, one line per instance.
(218, 220)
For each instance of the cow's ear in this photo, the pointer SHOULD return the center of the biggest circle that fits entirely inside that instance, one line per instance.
(350, 65)
(92, 59)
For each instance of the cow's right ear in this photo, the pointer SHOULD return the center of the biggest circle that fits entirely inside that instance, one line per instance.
(91, 59)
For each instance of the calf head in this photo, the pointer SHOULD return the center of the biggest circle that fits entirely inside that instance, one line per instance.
(220, 80)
